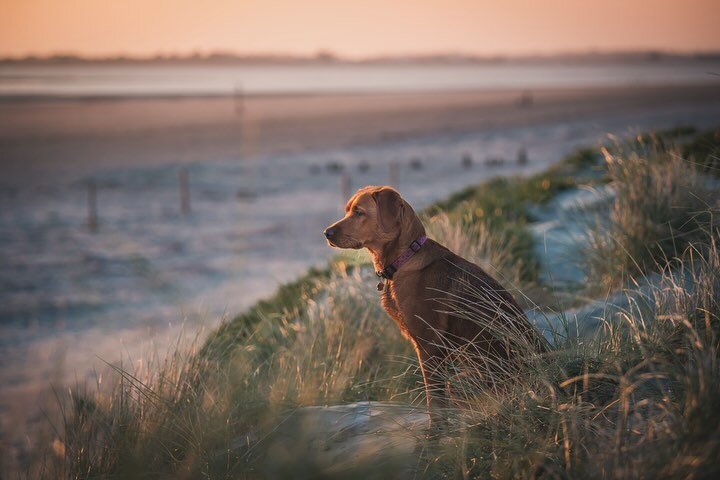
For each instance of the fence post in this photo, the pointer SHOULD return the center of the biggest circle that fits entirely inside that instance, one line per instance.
(345, 187)
(394, 174)
(184, 192)
(92, 207)
(239, 99)
(522, 156)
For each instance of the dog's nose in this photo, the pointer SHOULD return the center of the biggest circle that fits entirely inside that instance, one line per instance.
(329, 232)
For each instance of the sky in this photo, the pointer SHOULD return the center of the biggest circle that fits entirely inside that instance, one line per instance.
(355, 28)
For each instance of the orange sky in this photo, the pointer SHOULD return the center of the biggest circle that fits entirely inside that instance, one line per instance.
(355, 27)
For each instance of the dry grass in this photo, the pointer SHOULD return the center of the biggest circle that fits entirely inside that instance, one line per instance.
(638, 402)
(178, 418)
(662, 204)
(478, 243)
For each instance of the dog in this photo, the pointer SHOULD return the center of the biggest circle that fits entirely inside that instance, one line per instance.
(428, 291)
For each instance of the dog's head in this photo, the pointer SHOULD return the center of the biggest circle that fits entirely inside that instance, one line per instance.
(374, 217)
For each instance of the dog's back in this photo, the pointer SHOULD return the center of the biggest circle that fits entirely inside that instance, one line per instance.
(451, 304)
(485, 312)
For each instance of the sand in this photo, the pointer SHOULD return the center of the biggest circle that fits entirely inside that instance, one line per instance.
(38, 136)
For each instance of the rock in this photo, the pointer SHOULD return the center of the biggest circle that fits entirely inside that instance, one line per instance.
(334, 167)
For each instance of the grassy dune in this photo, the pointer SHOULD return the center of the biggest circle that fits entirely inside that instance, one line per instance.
(638, 400)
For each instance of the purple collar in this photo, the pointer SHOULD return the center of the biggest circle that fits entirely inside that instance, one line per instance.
(388, 272)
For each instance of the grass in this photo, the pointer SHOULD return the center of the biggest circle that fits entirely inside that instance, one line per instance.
(495, 252)
(638, 401)
(704, 151)
(289, 297)
(500, 206)
(177, 419)
(662, 204)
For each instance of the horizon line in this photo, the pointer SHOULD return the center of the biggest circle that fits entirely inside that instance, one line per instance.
(326, 55)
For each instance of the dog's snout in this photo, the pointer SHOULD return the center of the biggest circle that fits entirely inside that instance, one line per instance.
(330, 232)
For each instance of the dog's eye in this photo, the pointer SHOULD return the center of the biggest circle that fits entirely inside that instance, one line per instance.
(358, 213)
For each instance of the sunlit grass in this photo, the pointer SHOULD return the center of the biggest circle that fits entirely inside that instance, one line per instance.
(637, 402)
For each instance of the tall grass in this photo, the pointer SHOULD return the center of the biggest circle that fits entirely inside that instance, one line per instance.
(193, 415)
(704, 151)
(477, 242)
(638, 402)
(661, 204)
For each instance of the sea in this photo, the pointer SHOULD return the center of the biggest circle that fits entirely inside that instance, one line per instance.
(148, 79)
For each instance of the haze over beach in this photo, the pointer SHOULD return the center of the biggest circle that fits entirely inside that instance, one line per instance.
(164, 165)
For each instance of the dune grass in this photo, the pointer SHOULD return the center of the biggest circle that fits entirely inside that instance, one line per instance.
(192, 416)
(704, 151)
(638, 401)
(661, 204)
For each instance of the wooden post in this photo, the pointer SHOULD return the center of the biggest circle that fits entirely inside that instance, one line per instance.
(345, 187)
(92, 207)
(467, 160)
(239, 104)
(522, 156)
(239, 97)
(184, 192)
(394, 175)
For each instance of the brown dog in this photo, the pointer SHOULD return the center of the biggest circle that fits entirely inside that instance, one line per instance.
(447, 307)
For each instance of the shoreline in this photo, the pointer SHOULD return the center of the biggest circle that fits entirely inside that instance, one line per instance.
(25, 99)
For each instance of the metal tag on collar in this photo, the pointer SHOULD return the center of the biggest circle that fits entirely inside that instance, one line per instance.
(381, 283)
(415, 246)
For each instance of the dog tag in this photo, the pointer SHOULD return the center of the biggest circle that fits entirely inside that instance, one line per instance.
(381, 286)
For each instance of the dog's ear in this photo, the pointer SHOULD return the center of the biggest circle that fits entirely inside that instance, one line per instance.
(389, 208)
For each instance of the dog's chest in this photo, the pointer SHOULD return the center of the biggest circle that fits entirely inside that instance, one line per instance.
(389, 302)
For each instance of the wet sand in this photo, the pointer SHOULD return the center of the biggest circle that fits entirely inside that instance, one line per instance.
(38, 138)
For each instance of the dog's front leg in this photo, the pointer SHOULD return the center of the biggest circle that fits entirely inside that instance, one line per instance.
(433, 372)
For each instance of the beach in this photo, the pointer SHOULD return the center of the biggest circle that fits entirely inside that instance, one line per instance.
(265, 179)
(39, 135)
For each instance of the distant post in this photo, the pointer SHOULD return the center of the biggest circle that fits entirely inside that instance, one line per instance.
(467, 160)
(92, 206)
(239, 103)
(394, 174)
(345, 187)
(522, 156)
(184, 192)
(526, 99)
(239, 97)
